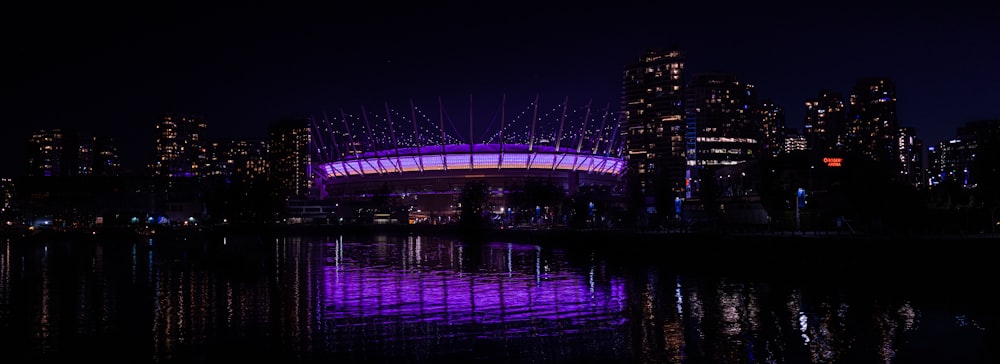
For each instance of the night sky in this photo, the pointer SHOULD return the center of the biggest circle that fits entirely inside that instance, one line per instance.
(114, 70)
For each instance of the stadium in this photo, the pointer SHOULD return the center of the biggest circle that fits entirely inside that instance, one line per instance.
(417, 163)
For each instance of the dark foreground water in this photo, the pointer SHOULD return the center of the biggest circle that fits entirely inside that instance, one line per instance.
(421, 299)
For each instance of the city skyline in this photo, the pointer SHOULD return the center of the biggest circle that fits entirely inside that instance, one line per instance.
(243, 68)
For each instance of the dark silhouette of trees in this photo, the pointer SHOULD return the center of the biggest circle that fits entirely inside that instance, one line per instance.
(474, 200)
(525, 197)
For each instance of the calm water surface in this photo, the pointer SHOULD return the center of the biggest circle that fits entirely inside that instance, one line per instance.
(420, 299)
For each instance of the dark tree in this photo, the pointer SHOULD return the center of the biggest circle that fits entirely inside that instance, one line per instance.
(473, 199)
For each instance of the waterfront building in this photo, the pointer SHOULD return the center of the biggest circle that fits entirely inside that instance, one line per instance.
(401, 165)
(911, 160)
(654, 129)
(722, 127)
(873, 127)
(179, 146)
(289, 158)
(825, 123)
(771, 117)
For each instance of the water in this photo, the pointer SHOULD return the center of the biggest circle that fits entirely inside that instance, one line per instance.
(423, 299)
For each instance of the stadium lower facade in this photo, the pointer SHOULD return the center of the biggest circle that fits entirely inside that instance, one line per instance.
(422, 177)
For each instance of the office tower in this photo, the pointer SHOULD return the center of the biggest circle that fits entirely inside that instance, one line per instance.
(794, 141)
(53, 152)
(8, 205)
(772, 123)
(104, 157)
(873, 128)
(722, 127)
(911, 158)
(825, 123)
(179, 151)
(653, 128)
(289, 160)
(968, 157)
(237, 161)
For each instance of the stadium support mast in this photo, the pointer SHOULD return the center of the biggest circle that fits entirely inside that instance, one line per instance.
(392, 132)
(534, 119)
(471, 140)
(371, 139)
(614, 134)
(317, 143)
(503, 105)
(583, 128)
(562, 119)
(595, 140)
(416, 135)
(350, 136)
(444, 161)
(333, 138)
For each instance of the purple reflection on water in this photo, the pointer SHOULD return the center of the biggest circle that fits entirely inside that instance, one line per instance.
(523, 299)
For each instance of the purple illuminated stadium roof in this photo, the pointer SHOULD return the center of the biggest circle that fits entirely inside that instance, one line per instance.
(472, 157)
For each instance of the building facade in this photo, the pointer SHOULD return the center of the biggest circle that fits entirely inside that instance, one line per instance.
(179, 146)
(654, 129)
(722, 126)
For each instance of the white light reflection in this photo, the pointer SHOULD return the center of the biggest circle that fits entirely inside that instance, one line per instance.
(510, 253)
(804, 326)
(680, 298)
(538, 264)
(590, 275)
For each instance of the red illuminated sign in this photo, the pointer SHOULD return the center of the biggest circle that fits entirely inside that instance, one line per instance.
(833, 162)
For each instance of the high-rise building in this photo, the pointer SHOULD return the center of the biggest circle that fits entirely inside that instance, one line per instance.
(794, 141)
(289, 160)
(771, 118)
(237, 160)
(722, 125)
(53, 152)
(956, 159)
(66, 152)
(179, 149)
(653, 127)
(105, 157)
(825, 123)
(873, 127)
(911, 159)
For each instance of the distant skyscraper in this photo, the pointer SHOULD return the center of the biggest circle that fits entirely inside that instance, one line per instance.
(653, 127)
(825, 123)
(772, 123)
(911, 158)
(794, 141)
(956, 158)
(179, 147)
(7, 200)
(873, 126)
(722, 125)
(289, 160)
(53, 152)
(105, 157)
(238, 161)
